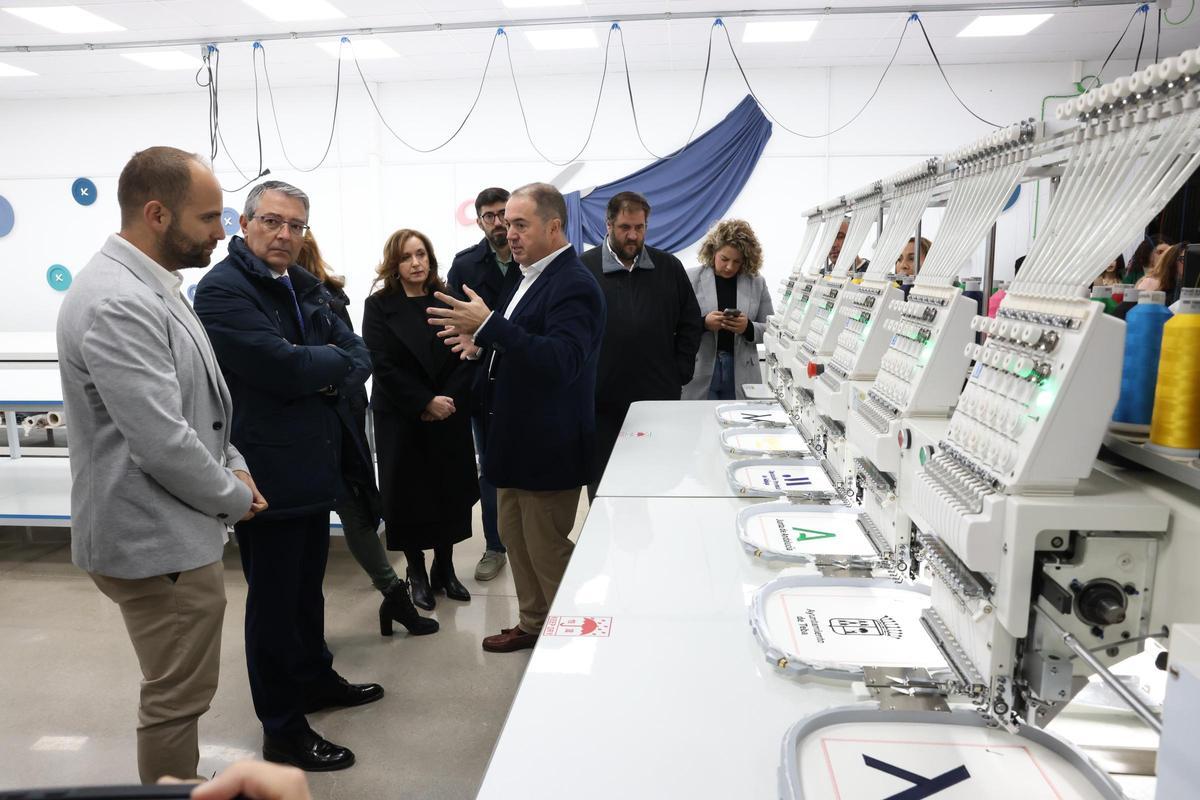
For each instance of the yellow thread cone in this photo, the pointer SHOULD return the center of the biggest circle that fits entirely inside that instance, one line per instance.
(1176, 420)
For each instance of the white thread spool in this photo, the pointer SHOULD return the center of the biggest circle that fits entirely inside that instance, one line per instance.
(1189, 62)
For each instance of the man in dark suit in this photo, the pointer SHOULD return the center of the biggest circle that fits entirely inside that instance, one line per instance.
(288, 359)
(654, 323)
(490, 269)
(540, 348)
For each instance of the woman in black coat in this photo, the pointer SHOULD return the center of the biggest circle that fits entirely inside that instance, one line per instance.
(420, 399)
(359, 509)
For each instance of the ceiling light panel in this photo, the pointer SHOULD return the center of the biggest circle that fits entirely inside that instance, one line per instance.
(562, 39)
(65, 19)
(165, 59)
(295, 10)
(782, 31)
(540, 3)
(363, 49)
(1004, 24)
(9, 71)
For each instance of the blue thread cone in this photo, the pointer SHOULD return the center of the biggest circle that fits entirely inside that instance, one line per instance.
(1143, 342)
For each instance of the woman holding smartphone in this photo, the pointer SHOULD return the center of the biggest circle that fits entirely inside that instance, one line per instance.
(735, 303)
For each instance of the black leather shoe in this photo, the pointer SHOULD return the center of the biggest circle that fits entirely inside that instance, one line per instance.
(343, 694)
(397, 606)
(308, 751)
(418, 583)
(443, 579)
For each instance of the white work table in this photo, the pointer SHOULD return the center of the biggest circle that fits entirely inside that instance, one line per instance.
(30, 387)
(27, 386)
(677, 700)
(669, 449)
(36, 493)
(28, 346)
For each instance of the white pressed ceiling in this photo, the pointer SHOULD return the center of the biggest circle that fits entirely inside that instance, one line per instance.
(660, 45)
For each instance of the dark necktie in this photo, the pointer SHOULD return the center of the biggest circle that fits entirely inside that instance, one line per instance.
(287, 281)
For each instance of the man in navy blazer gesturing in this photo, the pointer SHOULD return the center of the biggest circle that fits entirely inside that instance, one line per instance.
(540, 348)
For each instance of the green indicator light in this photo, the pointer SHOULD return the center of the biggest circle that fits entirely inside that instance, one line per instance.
(1045, 399)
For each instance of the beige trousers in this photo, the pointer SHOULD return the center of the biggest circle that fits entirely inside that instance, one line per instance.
(534, 527)
(174, 623)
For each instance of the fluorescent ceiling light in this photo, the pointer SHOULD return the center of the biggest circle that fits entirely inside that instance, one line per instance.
(1004, 25)
(295, 10)
(9, 71)
(165, 59)
(65, 19)
(540, 3)
(363, 49)
(790, 31)
(563, 39)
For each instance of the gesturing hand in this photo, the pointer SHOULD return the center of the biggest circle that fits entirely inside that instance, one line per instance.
(459, 342)
(438, 409)
(466, 316)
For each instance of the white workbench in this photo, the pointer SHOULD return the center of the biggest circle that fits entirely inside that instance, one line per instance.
(36, 493)
(669, 449)
(678, 700)
(28, 346)
(31, 387)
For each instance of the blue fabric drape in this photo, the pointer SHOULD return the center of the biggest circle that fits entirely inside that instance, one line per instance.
(689, 190)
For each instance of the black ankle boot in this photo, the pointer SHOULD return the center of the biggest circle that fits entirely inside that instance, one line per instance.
(443, 579)
(397, 606)
(418, 581)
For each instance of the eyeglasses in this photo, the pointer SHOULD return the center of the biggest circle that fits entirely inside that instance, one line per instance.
(491, 217)
(272, 224)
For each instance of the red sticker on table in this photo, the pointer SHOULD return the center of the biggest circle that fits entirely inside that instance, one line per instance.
(635, 434)
(577, 626)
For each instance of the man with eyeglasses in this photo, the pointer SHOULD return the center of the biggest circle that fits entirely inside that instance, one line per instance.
(287, 358)
(492, 273)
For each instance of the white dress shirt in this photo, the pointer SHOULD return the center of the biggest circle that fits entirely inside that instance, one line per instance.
(528, 276)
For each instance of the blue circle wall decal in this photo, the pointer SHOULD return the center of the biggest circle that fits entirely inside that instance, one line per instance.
(84, 191)
(229, 221)
(7, 217)
(59, 278)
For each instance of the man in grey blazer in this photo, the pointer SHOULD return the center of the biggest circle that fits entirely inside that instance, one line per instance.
(155, 480)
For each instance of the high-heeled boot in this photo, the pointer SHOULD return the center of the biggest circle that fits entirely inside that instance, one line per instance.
(442, 578)
(418, 581)
(397, 606)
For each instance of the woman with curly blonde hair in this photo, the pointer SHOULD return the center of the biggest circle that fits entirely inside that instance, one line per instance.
(734, 300)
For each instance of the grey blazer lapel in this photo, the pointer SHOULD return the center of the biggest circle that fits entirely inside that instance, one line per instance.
(142, 274)
(706, 289)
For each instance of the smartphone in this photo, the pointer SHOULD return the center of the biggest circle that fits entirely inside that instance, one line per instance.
(171, 792)
(732, 312)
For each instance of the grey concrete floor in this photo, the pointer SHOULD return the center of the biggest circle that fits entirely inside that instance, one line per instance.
(69, 680)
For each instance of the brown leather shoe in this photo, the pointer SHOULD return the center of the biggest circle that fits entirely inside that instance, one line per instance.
(509, 640)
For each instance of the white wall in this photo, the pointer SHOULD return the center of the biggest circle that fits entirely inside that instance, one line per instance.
(371, 184)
